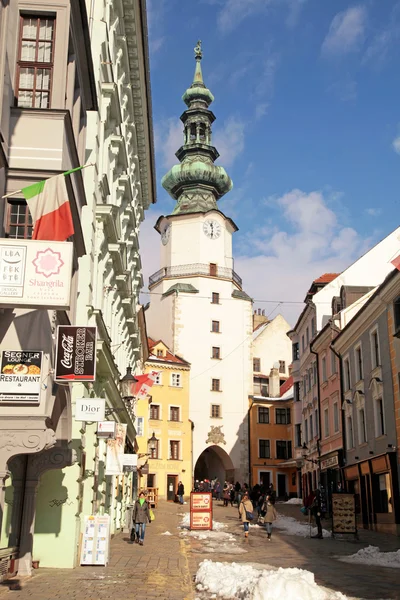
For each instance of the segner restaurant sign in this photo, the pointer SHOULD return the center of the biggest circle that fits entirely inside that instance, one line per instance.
(75, 354)
(35, 273)
(20, 376)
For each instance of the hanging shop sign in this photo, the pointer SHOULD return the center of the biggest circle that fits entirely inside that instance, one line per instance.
(130, 459)
(90, 409)
(201, 510)
(115, 451)
(75, 353)
(106, 429)
(329, 463)
(344, 514)
(20, 376)
(35, 273)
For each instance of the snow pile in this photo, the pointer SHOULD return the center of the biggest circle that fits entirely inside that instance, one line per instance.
(166, 533)
(185, 523)
(292, 526)
(215, 542)
(371, 555)
(295, 501)
(244, 582)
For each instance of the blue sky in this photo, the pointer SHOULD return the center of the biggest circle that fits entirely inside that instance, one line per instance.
(307, 100)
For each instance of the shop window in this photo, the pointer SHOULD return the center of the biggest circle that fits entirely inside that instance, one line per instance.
(383, 499)
(35, 61)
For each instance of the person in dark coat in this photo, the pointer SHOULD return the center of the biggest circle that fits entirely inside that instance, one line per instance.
(141, 516)
(181, 491)
(316, 512)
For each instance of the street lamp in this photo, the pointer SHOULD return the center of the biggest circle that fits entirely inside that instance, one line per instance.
(126, 385)
(152, 443)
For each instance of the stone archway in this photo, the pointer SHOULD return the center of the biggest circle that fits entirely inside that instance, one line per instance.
(214, 462)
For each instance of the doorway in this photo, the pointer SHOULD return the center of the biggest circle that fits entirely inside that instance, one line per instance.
(281, 485)
(265, 479)
(172, 485)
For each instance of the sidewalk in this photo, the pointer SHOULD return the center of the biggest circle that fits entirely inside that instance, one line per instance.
(159, 569)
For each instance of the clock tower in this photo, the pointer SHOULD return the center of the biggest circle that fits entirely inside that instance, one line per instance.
(198, 307)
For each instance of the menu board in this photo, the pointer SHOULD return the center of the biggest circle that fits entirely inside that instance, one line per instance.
(200, 510)
(96, 540)
(343, 513)
(200, 501)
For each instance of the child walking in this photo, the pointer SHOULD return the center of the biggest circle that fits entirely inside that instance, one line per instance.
(270, 515)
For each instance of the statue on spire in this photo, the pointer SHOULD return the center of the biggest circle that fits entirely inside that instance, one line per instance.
(197, 51)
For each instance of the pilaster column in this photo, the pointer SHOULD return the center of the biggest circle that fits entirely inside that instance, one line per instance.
(18, 469)
(27, 528)
(4, 474)
(197, 133)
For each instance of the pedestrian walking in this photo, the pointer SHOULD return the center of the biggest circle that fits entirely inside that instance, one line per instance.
(141, 516)
(270, 515)
(181, 491)
(217, 490)
(246, 513)
(316, 511)
(226, 494)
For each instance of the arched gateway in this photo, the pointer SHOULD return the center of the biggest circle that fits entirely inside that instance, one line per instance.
(214, 462)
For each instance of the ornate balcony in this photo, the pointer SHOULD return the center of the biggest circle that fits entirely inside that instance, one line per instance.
(194, 270)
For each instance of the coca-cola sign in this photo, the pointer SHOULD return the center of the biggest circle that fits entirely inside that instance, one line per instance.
(76, 353)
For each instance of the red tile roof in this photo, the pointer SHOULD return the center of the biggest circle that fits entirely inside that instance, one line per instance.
(326, 278)
(169, 357)
(286, 386)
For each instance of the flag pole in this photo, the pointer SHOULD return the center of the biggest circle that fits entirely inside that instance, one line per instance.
(66, 173)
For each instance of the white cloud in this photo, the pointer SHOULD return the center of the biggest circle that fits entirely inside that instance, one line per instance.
(229, 140)
(168, 137)
(156, 44)
(280, 263)
(345, 89)
(235, 11)
(346, 32)
(396, 144)
(373, 212)
(261, 110)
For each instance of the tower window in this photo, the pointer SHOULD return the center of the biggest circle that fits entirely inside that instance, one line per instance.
(215, 327)
(216, 385)
(215, 298)
(216, 352)
(216, 411)
(202, 133)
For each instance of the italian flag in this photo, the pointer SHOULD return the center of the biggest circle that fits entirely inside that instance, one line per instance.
(49, 206)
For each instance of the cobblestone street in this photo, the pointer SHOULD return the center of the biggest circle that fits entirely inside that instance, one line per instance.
(166, 565)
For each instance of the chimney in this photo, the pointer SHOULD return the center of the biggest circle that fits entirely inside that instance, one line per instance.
(274, 382)
(259, 318)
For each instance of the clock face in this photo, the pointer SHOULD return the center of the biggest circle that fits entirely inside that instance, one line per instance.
(212, 229)
(165, 234)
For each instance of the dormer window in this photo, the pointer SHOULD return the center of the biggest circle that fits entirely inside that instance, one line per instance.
(160, 353)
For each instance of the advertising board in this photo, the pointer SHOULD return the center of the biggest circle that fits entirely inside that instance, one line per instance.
(200, 510)
(35, 273)
(90, 409)
(75, 353)
(20, 376)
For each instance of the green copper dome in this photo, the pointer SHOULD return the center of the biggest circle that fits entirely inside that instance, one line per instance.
(197, 183)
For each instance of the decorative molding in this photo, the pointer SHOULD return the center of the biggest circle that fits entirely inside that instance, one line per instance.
(215, 435)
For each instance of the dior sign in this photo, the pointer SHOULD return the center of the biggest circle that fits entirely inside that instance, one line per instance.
(90, 409)
(75, 354)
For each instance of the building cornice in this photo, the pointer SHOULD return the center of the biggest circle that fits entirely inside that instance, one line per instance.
(135, 23)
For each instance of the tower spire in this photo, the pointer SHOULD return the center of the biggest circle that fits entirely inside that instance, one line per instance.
(197, 183)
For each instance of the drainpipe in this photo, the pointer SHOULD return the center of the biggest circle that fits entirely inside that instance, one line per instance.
(249, 443)
(341, 409)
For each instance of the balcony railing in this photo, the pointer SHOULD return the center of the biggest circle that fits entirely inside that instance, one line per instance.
(196, 269)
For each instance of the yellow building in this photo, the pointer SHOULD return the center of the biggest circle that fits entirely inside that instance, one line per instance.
(167, 416)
